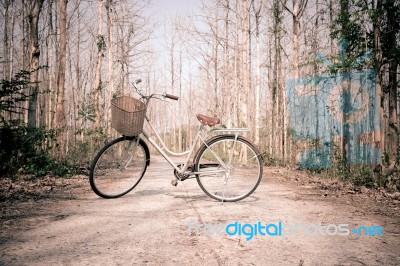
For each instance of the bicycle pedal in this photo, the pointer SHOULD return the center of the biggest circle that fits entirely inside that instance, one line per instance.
(174, 182)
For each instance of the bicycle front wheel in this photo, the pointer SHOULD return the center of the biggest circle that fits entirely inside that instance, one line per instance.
(229, 168)
(118, 167)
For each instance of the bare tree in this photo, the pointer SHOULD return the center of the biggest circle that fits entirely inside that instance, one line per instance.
(110, 62)
(245, 70)
(393, 86)
(297, 11)
(227, 93)
(257, 125)
(101, 46)
(34, 14)
(61, 121)
(5, 59)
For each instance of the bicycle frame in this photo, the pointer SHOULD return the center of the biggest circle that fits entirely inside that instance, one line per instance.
(164, 151)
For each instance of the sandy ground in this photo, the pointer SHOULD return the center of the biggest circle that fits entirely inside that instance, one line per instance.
(156, 224)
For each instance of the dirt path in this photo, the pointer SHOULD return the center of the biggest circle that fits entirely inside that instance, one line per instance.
(156, 224)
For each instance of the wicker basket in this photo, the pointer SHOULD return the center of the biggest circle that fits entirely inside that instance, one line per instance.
(127, 115)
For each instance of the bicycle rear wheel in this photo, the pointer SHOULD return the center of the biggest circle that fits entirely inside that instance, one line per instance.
(229, 169)
(118, 167)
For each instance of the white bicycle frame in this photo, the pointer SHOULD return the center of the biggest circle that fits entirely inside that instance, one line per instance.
(164, 151)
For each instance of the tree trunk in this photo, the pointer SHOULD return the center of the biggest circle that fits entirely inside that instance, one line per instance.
(6, 55)
(258, 75)
(80, 93)
(23, 116)
(99, 65)
(226, 87)
(61, 122)
(237, 99)
(52, 61)
(180, 104)
(110, 64)
(172, 65)
(245, 79)
(380, 136)
(297, 11)
(344, 12)
(215, 59)
(34, 61)
(11, 59)
(393, 130)
(295, 40)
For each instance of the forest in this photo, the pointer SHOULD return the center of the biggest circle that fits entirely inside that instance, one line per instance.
(317, 82)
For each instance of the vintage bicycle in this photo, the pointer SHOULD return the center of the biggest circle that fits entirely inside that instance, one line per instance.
(227, 166)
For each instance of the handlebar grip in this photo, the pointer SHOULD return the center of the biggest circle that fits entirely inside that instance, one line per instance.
(172, 97)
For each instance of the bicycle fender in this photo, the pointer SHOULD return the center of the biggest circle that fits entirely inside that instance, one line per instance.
(223, 136)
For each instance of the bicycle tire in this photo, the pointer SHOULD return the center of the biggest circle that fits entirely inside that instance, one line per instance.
(245, 172)
(115, 170)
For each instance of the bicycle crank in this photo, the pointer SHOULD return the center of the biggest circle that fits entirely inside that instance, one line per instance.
(182, 176)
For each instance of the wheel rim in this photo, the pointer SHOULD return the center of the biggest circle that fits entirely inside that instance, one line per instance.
(235, 181)
(119, 169)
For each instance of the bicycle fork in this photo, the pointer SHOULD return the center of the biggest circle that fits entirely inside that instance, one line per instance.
(135, 143)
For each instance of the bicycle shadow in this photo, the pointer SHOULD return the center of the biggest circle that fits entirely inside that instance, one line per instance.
(208, 199)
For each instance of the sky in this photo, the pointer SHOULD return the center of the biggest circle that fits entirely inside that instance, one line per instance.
(165, 10)
(162, 12)
(171, 7)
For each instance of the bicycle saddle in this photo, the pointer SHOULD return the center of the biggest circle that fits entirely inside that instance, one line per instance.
(207, 120)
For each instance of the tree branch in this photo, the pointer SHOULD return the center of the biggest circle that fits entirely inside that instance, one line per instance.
(286, 8)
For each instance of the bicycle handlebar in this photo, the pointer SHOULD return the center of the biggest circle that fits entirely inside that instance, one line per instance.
(172, 97)
(166, 95)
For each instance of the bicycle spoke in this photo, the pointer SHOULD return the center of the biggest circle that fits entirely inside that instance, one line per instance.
(118, 168)
(241, 173)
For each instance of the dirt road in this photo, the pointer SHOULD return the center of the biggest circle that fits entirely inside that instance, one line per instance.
(156, 224)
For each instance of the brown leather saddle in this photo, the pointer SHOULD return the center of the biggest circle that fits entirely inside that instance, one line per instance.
(207, 120)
